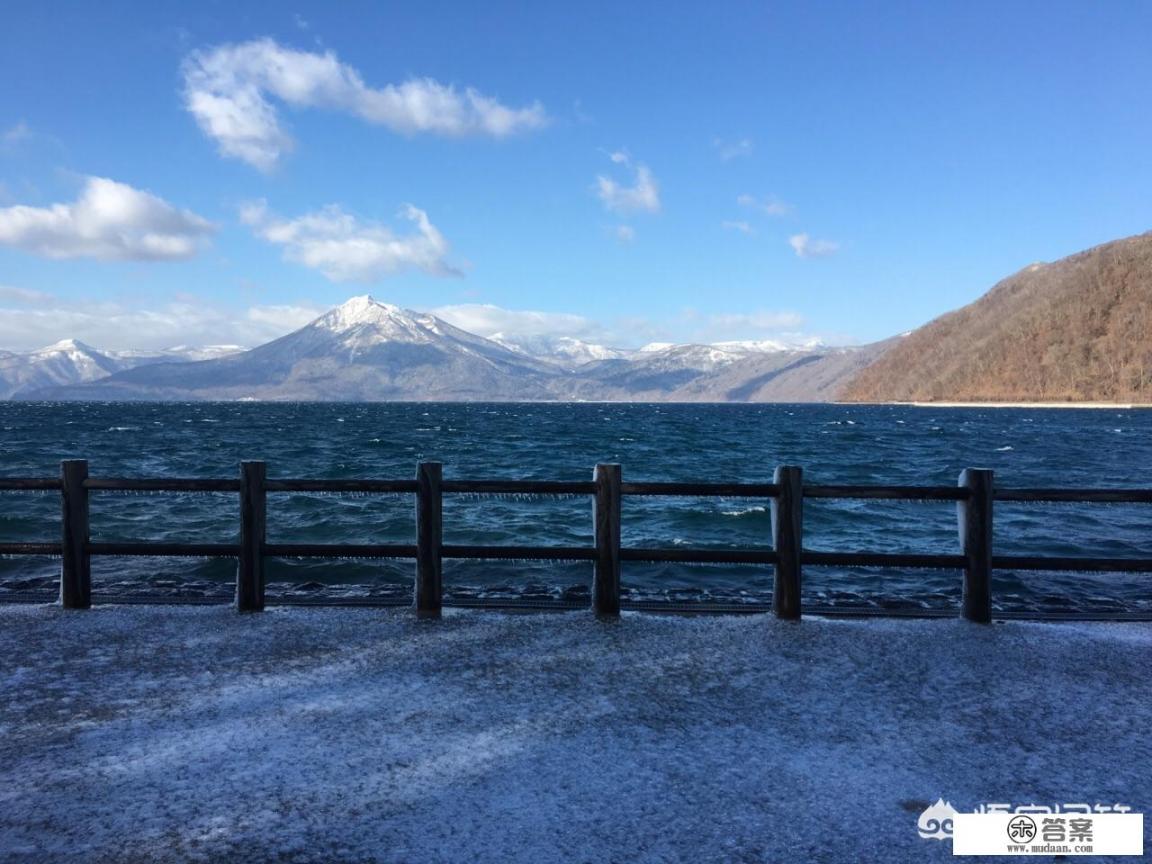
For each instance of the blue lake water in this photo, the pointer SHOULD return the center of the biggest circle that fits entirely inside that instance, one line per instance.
(835, 444)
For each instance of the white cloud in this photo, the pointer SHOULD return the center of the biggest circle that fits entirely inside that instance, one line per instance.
(110, 221)
(742, 227)
(729, 150)
(625, 233)
(620, 157)
(116, 326)
(229, 88)
(24, 296)
(688, 325)
(774, 325)
(808, 247)
(642, 196)
(770, 205)
(484, 319)
(280, 319)
(347, 250)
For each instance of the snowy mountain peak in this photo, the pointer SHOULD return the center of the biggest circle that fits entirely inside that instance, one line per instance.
(68, 346)
(366, 311)
(364, 321)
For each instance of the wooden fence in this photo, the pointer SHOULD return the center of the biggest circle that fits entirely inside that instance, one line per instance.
(974, 496)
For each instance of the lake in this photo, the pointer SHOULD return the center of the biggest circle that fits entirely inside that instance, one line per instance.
(835, 444)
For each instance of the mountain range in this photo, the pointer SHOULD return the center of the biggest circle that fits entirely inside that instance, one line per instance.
(366, 350)
(1073, 330)
(72, 362)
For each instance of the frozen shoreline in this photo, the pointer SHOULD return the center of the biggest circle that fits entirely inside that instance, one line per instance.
(174, 734)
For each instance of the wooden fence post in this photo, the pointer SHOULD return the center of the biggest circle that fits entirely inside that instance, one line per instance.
(76, 562)
(429, 539)
(253, 529)
(606, 524)
(974, 517)
(788, 540)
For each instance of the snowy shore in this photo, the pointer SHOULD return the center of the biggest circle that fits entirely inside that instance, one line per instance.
(172, 734)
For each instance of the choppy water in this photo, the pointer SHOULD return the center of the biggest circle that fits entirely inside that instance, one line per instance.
(834, 444)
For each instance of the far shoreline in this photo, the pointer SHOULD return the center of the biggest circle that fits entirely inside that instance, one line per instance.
(246, 400)
(1080, 405)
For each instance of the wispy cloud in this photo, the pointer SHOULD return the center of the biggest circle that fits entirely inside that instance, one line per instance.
(771, 205)
(760, 321)
(782, 327)
(110, 221)
(188, 320)
(17, 132)
(809, 247)
(23, 296)
(485, 319)
(687, 325)
(229, 90)
(729, 150)
(642, 196)
(742, 227)
(625, 234)
(346, 249)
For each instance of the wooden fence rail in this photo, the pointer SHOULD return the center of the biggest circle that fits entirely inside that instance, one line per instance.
(974, 496)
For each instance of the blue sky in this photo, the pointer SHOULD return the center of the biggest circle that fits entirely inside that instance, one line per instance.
(624, 172)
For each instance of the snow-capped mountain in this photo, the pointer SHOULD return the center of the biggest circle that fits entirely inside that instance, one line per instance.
(660, 368)
(361, 350)
(71, 361)
(366, 350)
(565, 351)
(66, 362)
(768, 346)
(175, 354)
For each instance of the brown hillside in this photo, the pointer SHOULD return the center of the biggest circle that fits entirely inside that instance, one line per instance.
(1079, 329)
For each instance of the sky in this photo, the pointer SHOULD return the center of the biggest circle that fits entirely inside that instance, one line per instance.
(210, 173)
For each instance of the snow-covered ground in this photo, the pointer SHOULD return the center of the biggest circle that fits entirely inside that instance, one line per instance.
(161, 734)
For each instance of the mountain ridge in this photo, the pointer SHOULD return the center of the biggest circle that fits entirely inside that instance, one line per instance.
(1074, 330)
(368, 350)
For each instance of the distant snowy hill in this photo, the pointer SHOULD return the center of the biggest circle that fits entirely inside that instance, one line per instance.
(366, 350)
(66, 362)
(661, 368)
(176, 354)
(73, 362)
(565, 351)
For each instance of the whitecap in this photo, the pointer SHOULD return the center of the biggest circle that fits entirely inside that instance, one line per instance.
(1004, 449)
(745, 511)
